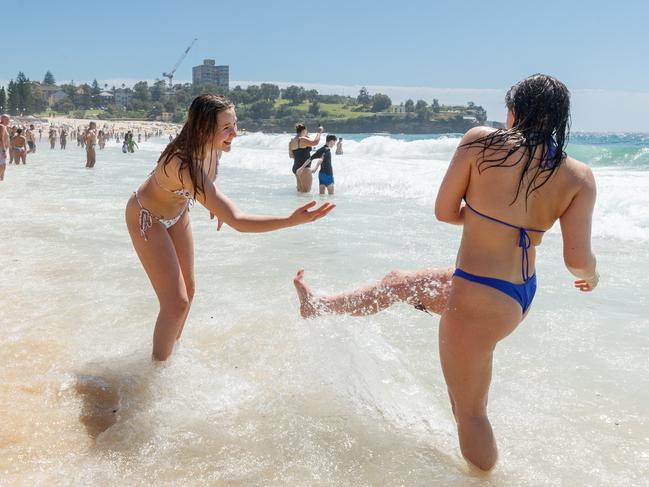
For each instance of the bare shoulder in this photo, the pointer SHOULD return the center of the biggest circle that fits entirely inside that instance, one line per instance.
(467, 147)
(475, 133)
(171, 172)
(580, 172)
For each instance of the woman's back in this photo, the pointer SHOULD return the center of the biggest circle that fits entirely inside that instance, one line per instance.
(300, 153)
(492, 248)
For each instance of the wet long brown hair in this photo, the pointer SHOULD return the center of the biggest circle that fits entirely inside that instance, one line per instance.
(191, 143)
(541, 108)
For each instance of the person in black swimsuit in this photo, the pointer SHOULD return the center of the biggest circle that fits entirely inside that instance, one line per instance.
(299, 149)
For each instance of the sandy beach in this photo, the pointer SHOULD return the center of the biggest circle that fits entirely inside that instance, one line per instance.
(137, 126)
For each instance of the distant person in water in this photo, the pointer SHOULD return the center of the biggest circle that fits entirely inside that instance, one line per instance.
(63, 139)
(5, 144)
(31, 138)
(90, 140)
(299, 149)
(339, 147)
(157, 214)
(19, 147)
(131, 144)
(506, 187)
(326, 174)
(101, 139)
(52, 137)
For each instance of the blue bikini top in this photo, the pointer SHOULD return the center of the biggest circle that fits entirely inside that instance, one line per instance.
(524, 240)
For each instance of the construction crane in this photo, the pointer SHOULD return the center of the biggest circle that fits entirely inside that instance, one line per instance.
(170, 74)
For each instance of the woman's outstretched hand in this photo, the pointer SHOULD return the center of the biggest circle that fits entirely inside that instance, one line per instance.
(303, 215)
(219, 223)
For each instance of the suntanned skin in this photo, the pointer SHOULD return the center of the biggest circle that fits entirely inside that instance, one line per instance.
(168, 254)
(4, 144)
(19, 148)
(91, 141)
(52, 138)
(303, 176)
(476, 317)
(29, 136)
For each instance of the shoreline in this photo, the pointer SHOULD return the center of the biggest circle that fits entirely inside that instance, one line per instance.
(120, 125)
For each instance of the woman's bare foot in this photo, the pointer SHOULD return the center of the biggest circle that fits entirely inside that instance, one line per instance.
(308, 307)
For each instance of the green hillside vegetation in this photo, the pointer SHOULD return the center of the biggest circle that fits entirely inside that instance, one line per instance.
(259, 107)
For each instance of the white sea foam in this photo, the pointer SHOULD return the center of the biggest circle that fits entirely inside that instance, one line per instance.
(256, 396)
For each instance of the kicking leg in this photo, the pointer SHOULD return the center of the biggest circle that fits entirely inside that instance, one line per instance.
(428, 288)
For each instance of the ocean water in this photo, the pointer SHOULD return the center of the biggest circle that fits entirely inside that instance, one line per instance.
(254, 395)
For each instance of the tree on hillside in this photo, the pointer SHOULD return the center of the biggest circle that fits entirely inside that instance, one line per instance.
(3, 100)
(95, 91)
(254, 92)
(141, 91)
(409, 106)
(157, 90)
(49, 79)
(39, 102)
(314, 107)
(421, 107)
(435, 106)
(295, 94)
(269, 92)
(24, 92)
(364, 97)
(239, 96)
(261, 109)
(311, 95)
(64, 106)
(71, 91)
(381, 102)
(12, 98)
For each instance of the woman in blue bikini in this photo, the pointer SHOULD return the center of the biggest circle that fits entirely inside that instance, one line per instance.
(157, 214)
(506, 187)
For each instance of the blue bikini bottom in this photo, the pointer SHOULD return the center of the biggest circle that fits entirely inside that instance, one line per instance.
(523, 294)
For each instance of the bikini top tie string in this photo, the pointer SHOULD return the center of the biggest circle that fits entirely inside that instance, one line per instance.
(524, 240)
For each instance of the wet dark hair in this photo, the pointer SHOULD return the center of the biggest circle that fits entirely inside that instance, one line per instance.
(299, 127)
(540, 105)
(190, 144)
(331, 137)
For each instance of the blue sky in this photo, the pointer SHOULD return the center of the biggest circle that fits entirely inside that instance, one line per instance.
(473, 49)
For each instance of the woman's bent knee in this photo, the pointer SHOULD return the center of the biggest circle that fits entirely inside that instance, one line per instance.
(178, 304)
(191, 289)
(395, 282)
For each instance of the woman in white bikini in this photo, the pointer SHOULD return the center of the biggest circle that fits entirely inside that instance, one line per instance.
(157, 214)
